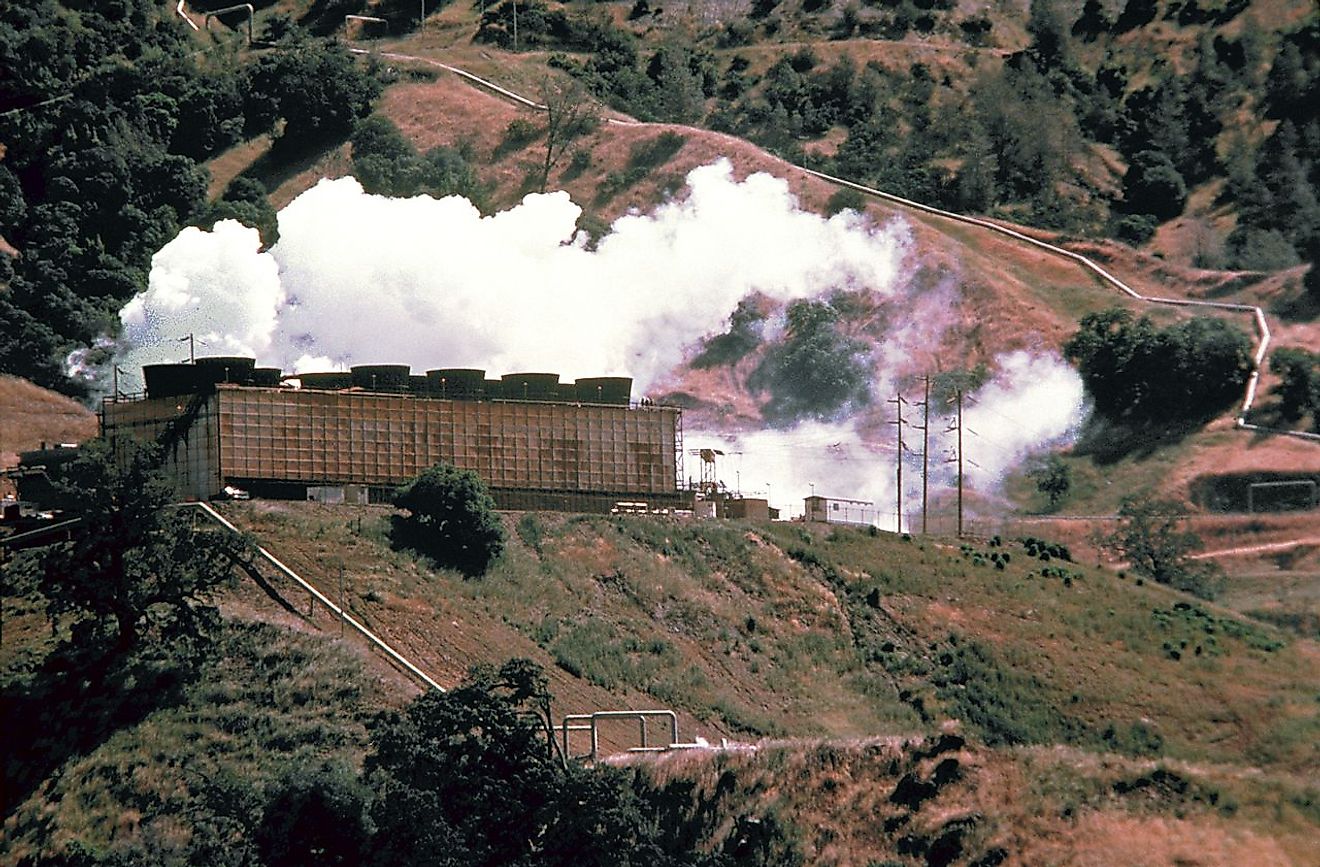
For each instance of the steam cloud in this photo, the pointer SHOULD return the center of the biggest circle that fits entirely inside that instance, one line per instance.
(1034, 402)
(357, 278)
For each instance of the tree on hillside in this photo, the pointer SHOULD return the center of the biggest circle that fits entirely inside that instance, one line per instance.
(1299, 388)
(1136, 371)
(1153, 186)
(1092, 22)
(976, 176)
(315, 815)
(1136, 13)
(452, 519)
(133, 566)
(243, 200)
(471, 777)
(1310, 249)
(386, 163)
(1049, 41)
(1053, 478)
(816, 370)
(1150, 538)
(316, 88)
(570, 113)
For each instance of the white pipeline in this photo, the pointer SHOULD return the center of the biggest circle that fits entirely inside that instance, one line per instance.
(393, 654)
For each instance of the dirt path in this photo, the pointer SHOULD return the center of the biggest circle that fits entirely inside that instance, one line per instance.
(1258, 549)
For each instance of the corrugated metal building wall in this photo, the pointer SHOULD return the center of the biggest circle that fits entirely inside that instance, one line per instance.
(554, 455)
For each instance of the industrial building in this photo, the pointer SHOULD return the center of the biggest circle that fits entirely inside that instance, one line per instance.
(835, 510)
(536, 442)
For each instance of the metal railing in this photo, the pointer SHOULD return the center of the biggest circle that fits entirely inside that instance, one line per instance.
(590, 722)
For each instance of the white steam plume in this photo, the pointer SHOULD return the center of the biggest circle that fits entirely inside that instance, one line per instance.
(833, 459)
(357, 278)
(1034, 402)
(213, 285)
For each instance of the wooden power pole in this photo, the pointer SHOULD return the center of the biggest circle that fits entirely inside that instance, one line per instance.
(960, 464)
(898, 402)
(925, 454)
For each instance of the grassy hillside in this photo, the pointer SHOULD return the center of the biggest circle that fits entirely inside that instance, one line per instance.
(1092, 706)
(793, 629)
(30, 415)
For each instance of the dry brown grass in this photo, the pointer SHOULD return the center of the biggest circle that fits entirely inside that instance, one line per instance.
(1038, 806)
(31, 415)
(226, 166)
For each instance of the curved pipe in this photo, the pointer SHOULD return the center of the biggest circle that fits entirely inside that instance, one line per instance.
(235, 8)
(184, 15)
(1262, 326)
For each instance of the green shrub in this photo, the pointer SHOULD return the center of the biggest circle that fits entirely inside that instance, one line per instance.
(846, 199)
(452, 519)
(643, 158)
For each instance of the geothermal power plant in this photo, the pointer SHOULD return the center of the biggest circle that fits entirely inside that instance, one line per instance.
(537, 442)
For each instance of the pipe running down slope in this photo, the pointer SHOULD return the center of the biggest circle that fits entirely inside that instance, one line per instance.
(422, 677)
(1263, 335)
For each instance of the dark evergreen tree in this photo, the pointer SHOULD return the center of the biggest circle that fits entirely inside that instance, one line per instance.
(1153, 186)
(1136, 13)
(1093, 21)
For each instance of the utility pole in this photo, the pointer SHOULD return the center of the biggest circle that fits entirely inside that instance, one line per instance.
(958, 457)
(192, 349)
(898, 402)
(960, 464)
(925, 453)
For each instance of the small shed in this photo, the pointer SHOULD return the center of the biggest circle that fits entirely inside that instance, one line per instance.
(837, 510)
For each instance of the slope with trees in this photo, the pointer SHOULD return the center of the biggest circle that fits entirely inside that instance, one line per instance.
(108, 114)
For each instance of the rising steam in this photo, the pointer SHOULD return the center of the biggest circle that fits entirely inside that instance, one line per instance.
(1033, 403)
(357, 278)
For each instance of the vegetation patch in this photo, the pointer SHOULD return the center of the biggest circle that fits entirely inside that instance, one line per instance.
(1193, 631)
(595, 650)
(1000, 699)
(643, 158)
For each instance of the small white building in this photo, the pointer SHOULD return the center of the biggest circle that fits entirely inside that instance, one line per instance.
(336, 495)
(836, 510)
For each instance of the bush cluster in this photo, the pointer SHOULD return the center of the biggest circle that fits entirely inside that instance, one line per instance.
(1137, 372)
